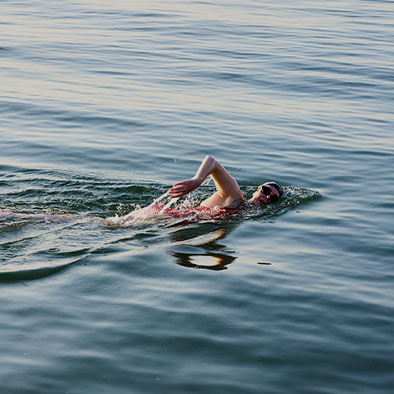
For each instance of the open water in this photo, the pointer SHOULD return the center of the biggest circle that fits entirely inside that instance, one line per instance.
(104, 105)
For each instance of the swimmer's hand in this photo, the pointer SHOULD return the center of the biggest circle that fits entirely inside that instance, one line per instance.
(179, 189)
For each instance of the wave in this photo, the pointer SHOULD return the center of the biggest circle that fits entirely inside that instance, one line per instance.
(14, 272)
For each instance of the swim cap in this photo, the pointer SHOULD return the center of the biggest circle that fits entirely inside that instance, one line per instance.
(278, 187)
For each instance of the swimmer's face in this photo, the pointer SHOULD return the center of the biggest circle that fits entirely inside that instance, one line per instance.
(265, 194)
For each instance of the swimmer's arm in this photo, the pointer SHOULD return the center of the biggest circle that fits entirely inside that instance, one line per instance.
(227, 187)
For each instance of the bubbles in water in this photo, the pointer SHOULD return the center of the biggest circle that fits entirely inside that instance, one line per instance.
(294, 195)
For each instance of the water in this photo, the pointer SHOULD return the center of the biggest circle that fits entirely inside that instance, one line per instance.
(103, 105)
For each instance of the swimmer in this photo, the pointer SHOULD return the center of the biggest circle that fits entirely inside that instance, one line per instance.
(228, 199)
(228, 195)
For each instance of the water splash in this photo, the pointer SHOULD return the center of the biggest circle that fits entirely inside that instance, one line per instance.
(139, 215)
(169, 204)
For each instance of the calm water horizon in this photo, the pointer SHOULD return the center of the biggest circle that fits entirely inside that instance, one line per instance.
(104, 105)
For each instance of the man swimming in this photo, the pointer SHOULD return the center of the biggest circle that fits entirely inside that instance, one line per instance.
(228, 199)
(228, 195)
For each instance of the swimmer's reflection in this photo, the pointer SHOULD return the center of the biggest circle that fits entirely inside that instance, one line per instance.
(211, 261)
(198, 248)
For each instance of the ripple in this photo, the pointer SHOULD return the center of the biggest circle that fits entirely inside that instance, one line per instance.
(32, 271)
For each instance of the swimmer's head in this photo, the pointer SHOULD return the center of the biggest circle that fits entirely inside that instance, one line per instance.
(276, 185)
(267, 193)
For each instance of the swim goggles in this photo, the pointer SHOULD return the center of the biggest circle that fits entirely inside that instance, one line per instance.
(267, 191)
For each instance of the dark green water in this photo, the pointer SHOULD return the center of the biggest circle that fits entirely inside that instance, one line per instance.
(103, 106)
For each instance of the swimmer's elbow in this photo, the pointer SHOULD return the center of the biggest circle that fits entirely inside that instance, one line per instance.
(209, 158)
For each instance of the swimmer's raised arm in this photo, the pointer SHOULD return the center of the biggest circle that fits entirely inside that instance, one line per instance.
(227, 187)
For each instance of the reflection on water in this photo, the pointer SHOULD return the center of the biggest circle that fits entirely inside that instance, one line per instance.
(212, 261)
(195, 250)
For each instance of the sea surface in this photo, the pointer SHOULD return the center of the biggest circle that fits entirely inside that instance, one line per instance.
(104, 105)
